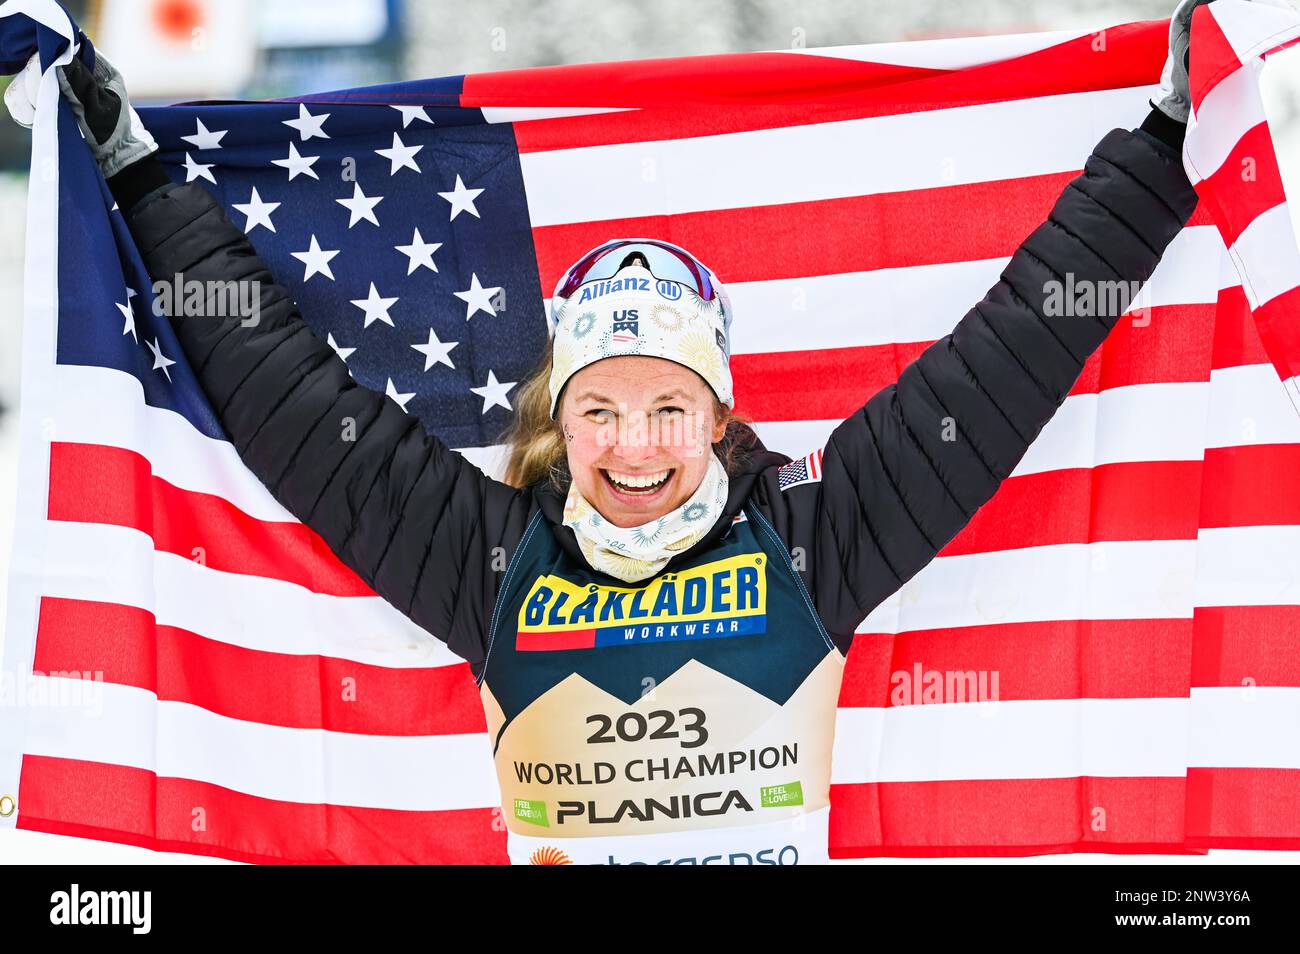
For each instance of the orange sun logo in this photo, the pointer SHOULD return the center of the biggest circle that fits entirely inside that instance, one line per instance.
(549, 856)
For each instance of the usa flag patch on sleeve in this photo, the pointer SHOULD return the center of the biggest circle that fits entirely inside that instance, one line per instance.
(805, 470)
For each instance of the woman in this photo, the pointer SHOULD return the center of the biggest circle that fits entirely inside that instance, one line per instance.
(657, 609)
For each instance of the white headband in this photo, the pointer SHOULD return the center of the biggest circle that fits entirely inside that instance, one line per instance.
(633, 313)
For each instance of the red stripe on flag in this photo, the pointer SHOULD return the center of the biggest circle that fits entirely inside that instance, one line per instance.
(1236, 335)
(939, 225)
(1238, 646)
(133, 806)
(833, 383)
(1048, 659)
(1008, 817)
(1214, 59)
(1251, 485)
(303, 692)
(1249, 182)
(1244, 808)
(1140, 500)
(719, 100)
(678, 82)
(1278, 324)
(91, 483)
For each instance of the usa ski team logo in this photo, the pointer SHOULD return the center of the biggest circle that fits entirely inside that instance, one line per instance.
(625, 325)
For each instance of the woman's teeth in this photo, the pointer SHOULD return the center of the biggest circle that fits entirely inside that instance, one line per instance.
(638, 483)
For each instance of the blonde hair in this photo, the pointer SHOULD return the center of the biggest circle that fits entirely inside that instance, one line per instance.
(535, 443)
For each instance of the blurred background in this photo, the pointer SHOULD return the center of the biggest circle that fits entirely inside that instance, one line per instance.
(262, 49)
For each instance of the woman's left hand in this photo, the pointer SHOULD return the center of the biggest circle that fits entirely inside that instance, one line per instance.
(1174, 98)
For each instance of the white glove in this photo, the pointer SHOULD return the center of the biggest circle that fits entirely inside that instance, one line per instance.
(112, 129)
(20, 97)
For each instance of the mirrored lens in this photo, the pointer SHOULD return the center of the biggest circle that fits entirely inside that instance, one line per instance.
(665, 260)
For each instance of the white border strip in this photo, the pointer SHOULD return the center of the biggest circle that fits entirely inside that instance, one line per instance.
(40, 319)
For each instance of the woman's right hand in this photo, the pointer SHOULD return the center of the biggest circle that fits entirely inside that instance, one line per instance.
(112, 129)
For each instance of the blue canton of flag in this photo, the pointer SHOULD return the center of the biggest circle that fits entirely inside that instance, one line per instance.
(402, 233)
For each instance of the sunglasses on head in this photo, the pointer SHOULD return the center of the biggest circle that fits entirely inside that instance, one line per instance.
(664, 260)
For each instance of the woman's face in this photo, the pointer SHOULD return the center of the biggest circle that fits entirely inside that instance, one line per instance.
(639, 432)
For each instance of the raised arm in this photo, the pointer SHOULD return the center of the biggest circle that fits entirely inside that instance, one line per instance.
(903, 475)
(415, 520)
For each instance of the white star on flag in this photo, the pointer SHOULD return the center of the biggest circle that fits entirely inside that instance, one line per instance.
(401, 399)
(360, 206)
(477, 298)
(129, 316)
(494, 392)
(400, 155)
(203, 139)
(410, 113)
(316, 259)
(375, 307)
(198, 170)
(307, 124)
(435, 352)
(462, 199)
(160, 362)
(258, 212)
(419, 252)
(297, 164)
(342, 352)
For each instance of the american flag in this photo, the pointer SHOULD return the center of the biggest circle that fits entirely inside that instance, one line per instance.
(806, 469)
(1134, 586)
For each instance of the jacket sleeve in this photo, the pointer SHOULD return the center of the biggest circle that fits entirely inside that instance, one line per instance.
(413, 518)
(894, 491)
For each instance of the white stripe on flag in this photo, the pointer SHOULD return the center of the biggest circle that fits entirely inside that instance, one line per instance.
(924, 302)
(1230, 110)
(1247, 407)
(1266, 255)
(1245, 727)
(130, 726)
(1248, 566)
(1118, 579)
(103, 406)
(1053, 738)
(112, 564)
(1115, 579)
(930, 149)
(1255, 27)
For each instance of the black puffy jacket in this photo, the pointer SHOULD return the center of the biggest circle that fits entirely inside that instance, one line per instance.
(421, 525)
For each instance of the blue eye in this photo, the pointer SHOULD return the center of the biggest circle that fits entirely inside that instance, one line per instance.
(671, 410)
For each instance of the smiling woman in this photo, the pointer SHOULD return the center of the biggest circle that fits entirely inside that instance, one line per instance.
(639, 432)
(639, 387)
(537, 448)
